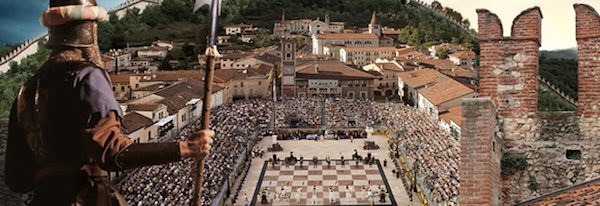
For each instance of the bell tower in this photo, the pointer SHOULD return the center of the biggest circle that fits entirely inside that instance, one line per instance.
(374, 27)
(288, 67)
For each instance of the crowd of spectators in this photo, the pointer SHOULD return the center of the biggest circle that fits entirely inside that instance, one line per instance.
(349, 113)
(434, 151)
(172, 184)
(306, 111)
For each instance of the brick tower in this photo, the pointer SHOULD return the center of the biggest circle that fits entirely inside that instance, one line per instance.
(288, 67)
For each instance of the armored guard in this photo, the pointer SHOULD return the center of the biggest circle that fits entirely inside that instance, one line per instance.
(64, 129)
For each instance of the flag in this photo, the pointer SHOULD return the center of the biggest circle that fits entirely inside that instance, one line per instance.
(200, 3)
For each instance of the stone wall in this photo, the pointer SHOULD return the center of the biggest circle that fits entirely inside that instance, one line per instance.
(545, 140)
(561, 148)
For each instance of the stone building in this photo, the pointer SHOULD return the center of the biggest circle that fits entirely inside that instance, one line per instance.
(368, 55)
(333, 79)
(306, 26)
(560, 148)
(387, 82)
(330, 44)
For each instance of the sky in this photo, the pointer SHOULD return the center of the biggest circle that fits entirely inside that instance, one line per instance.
(558, 23)
(19, 19)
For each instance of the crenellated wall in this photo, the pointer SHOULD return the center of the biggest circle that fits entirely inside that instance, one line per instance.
(509, 65)
(24, 50)
(561, 148)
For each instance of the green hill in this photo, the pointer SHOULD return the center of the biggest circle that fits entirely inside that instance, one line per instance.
(559, 67)
(174, 20)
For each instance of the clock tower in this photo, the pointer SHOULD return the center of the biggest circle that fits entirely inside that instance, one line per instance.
(288, 67)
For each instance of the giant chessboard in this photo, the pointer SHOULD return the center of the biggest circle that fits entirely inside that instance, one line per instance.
(323, 184)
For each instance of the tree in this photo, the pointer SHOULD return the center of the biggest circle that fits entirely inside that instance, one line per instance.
(11, 81)
(442, 53)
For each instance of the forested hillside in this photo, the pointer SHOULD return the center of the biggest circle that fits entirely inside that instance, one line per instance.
(560, 68)
(11, 81)
(174, 20)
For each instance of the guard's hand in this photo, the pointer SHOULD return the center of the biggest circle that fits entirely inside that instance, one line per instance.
(198, 146)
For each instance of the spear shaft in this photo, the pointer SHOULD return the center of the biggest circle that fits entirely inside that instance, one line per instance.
(211, 58)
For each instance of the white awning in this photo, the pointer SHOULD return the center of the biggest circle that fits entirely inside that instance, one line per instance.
(192, 102)
(166, 120)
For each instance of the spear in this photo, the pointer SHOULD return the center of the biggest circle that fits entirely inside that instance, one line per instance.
(211, 58)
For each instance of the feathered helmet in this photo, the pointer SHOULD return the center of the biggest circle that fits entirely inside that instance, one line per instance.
(73, 23)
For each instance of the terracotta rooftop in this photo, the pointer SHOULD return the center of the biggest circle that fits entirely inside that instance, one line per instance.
(464, 55)
(151, 88)
(133, 121)
(443, 89)
(390, 67)
(331, 69)
(369, 49)
(265, 57)
(171, 76)
(142, 107)
(225, 75)
(586, 193)
(235, 56)
(453, 114)
(419, 78)
(390, 31)
(121, 78)
(177, 96)
(179, 100)
(348, 36)
(447, 67)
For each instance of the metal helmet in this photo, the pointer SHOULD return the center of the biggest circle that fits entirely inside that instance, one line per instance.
(76, 33)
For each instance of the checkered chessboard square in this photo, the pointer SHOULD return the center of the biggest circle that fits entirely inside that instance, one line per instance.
(322, 184)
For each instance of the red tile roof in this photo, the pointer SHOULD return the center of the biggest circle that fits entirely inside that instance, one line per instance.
(419, 78)
(464, 55)
(453, 114)
(586, 193)
(121, 78)
(133, 121)
(390, 67)
(331, 69)
(151, 88)
(225, 75)
(444, 89)
(171, 76)
(142, 107)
